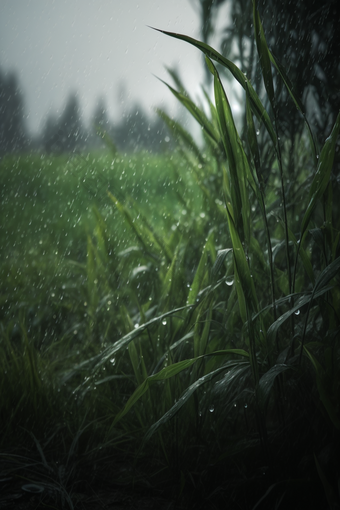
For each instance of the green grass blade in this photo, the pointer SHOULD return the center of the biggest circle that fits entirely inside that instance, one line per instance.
(167, 373)
(304, 300)
(181, 134)
(242, 267)
(252, 139)
(201, 272)
(263, 52)
(237, 160)
(196, 112)
(134, 227)
(187, 394)
(322, 175)
(256, 104)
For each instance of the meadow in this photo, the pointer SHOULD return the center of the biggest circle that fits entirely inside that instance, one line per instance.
(171, 322)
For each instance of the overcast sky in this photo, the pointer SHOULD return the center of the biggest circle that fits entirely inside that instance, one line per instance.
(96, 47)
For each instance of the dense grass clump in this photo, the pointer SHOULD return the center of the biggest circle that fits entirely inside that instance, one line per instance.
(174, 320)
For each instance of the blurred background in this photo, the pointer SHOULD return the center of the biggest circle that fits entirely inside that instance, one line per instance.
(69, 67)
(86, 62)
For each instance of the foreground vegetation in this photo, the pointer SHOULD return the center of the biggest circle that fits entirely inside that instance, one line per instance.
(173, 321)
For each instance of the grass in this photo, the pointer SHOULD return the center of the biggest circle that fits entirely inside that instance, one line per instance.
(189, 338)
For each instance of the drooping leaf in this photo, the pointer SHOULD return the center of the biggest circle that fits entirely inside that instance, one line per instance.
(263, 52)
(185, 397)
(196, 112)
(256, 104)
(322, 175)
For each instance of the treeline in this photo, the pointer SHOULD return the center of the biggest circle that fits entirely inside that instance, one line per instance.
(67, 132)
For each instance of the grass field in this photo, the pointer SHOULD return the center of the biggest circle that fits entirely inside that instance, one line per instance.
(172, 322)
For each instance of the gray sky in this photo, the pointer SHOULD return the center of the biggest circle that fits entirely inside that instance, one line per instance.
(97, 47)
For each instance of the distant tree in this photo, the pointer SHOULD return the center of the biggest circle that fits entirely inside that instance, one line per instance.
(100, 124)
(67, 133)
(13, 134)
(137, 130)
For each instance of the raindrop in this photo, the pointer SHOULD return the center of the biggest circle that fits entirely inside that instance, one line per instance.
(164, 322)
(136, 325)
(297, 312)
(212, 408)
(229, 280)
(257, 132)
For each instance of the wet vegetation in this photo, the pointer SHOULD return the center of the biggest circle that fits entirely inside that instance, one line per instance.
(171, 322)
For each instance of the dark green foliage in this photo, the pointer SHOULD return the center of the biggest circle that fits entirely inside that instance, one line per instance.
(201, 324)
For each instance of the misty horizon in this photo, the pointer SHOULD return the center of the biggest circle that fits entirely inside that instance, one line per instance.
(99, 52)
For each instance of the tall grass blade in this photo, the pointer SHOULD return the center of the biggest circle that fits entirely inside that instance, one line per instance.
(237, 160)
(201, 272)
(256, 104)
(322, 175)
(263, 52)
(171, 371)
(187, 394)
(242, 267)
(196, 112)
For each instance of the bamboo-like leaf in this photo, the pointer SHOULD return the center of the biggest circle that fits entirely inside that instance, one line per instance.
(135, 361)
(221, 256)
(100, 232)
(171, 371)
(169, 278)
(252, 138)
(256, 104)
(303, 255)
(237, 160)
(322, 175)
(134, 227)
(162, 243)
(242, 267)
(91, 275)
(273, 329)
(185, 397)
(201, 337)
(201, 272)
(241, 300)
(327, 274)
(263, 52)
(196, 112)
(123, 342)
